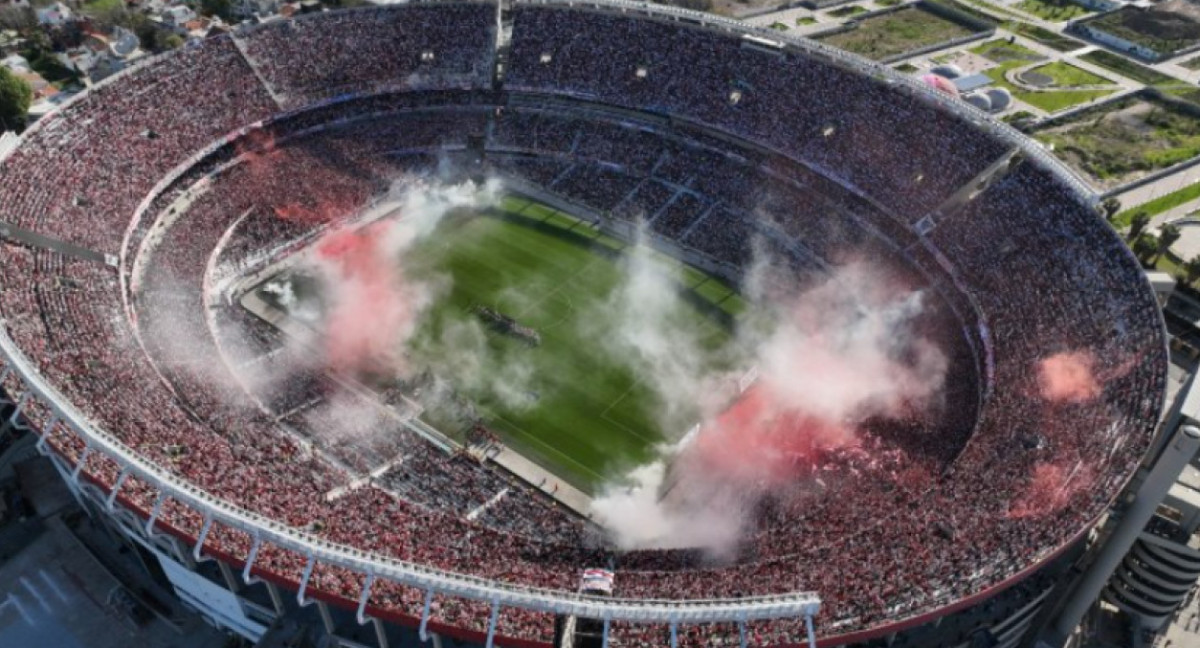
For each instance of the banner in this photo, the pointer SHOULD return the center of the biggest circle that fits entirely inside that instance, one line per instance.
(597, 580)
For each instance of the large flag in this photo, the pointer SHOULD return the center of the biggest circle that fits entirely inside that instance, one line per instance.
(597, 580)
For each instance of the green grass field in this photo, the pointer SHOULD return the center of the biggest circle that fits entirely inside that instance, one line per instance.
(1064, 93)
(892, 34)
(1044, 36)
(1067, 75)
(1002, 51)
(1160, 204)
(102, 6)
(1052, 10)
(570, 404)
(846, 12)
(1056, 100)
(1182, 91)
(985, 11)
(1059, 96)
(1128, 69)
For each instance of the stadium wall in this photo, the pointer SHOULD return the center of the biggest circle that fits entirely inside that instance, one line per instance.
(73, 465)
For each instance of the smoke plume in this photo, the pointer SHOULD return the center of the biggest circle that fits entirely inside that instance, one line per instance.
(1068, 377)
(647, 326)
(834, 356)
(1051, 487)
(373, 306)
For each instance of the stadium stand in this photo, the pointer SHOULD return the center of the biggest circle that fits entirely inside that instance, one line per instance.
(246, 144)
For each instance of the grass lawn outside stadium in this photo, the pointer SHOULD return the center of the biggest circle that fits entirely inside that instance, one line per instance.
(571, 404)
(886, 35)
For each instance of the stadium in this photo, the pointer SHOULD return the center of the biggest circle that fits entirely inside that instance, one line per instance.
(166, 234)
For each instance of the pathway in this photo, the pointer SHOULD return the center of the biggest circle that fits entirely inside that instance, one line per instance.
(546, 481)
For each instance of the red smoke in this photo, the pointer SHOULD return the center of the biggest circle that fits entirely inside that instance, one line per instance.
(1068, 377)
(266, 165)
(760, 440)
(256, 143)
(1049, 490)
(834, 363)
(298, 213)
(371, 307)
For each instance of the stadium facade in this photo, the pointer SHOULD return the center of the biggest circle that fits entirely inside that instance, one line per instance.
(717, 134)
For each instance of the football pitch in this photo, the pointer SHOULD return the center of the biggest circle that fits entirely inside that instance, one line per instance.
(569, 403)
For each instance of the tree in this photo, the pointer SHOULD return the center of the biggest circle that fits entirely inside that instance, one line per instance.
(168, 41)
(1145, 247)
(1167, 238)
(222, 8)
(15, 99)
(1191, 270)
(37, 43)
(107, 13)
(17, 17)
(152, 37)
(1138, 224)
(1110, 207)
(145, 30)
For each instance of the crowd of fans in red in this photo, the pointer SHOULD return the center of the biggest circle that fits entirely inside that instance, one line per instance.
(913, 519)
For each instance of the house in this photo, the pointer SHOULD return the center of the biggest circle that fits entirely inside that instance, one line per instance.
(41, 87)
(54, 15)
(79, 59)
(104, 66)
(16, 63)
(44, 107)
(247, 9)
(177, 16)
(95, 41)
(123, 43)
(152, 6)
(95, 60)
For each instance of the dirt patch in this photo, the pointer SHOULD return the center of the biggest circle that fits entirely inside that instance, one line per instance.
(1036, 79)
(968, 62)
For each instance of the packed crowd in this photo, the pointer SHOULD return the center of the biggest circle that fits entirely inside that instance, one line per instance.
(317, 58)
(104, 152)
(692, 190)
(924, 511)
(791, 102)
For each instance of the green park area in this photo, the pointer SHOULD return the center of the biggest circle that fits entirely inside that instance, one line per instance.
(1125, 139)
(1052, 10)
(895, 33)
(1055, 86)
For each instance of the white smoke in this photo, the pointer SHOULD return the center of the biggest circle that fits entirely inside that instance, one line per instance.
(646, 325)
(844, 351)
(834, 355)
(461, 356)
(425, 203)
(373, 305)
(636, 516)
(238, 369)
